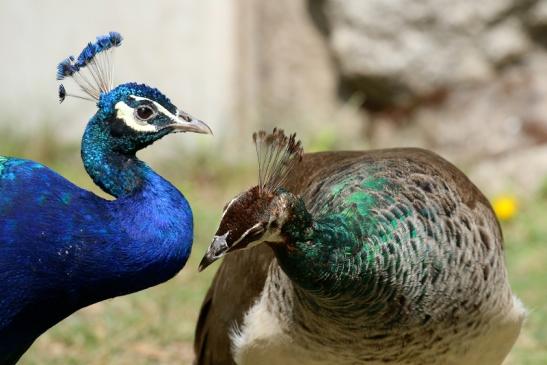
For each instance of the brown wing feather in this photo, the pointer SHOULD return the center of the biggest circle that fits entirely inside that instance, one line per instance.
(241, 276)
(236, 285)
(315, 166)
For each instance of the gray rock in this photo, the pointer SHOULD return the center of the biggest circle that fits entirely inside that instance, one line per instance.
(505, 42)
(522, 172)
(398, 51)
(537, 15)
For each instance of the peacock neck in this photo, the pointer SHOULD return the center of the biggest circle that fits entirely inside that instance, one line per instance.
(115, 172)
(151, 221)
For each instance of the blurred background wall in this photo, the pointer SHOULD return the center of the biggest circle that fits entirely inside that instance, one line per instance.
(465, 78)
(185, 48)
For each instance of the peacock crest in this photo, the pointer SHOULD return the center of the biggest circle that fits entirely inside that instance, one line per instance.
(277, 155)
(93, 69)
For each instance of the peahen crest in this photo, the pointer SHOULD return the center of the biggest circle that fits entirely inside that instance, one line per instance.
(277, 155)
(93, 69)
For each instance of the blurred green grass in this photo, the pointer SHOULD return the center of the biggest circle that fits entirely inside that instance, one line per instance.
(526, 253)
(156, 326)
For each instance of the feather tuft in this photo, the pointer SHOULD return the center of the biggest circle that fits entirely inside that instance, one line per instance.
(65, 68)
(62, 93)
(86, 55)
(93, 69)
(115, 38)
(103, 43)
(277, 155)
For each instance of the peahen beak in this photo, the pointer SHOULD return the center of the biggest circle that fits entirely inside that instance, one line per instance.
(218, 248)
(184, 122)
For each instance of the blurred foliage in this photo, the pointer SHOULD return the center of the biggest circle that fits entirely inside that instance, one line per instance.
(45, 145)
(324, 140)
(156, 326)
(543, 190)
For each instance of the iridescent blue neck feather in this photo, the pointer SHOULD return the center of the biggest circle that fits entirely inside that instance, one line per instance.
(63, 248)
(117, 173)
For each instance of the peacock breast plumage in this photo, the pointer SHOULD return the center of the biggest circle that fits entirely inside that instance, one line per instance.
(62, 248)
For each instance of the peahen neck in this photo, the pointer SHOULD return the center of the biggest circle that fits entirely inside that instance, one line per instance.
(343, 260)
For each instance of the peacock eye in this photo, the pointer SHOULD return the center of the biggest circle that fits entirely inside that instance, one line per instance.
(144, 112)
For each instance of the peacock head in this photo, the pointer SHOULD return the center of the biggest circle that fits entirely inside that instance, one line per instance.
(130, 115)
(260, 214)
(136, 115)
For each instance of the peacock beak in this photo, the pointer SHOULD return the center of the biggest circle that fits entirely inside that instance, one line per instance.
(218, 248)
(184, 122)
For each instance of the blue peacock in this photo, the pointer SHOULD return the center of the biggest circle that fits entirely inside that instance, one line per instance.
(62, 247)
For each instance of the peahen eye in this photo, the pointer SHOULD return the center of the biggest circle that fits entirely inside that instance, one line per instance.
(144, 112)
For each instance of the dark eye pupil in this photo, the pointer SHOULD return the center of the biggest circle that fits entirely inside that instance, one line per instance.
(144, 112)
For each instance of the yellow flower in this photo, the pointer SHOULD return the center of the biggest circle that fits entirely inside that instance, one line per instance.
(505, 207)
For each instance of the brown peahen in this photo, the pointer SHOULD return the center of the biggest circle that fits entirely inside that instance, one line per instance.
(378, 257)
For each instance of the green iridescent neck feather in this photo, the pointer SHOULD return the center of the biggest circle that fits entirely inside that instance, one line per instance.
(3, 160)
(347, 246)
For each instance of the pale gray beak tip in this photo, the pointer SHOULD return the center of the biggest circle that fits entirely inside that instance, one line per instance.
(205, 128)
(186, 123)
(216, 250)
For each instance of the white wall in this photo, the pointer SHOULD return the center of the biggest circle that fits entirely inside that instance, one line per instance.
(184, 47)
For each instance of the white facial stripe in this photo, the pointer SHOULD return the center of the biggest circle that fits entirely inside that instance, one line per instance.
(245, 235)
(126, 113)
(161, 109)
(228, 206)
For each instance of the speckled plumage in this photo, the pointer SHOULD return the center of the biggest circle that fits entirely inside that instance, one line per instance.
(62, 247)
(390, 257)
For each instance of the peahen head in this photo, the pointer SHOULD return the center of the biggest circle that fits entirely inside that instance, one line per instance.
(130, 116)
(260, 214)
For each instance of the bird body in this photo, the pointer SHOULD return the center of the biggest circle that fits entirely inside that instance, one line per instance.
(62, 247)
(380, 257)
